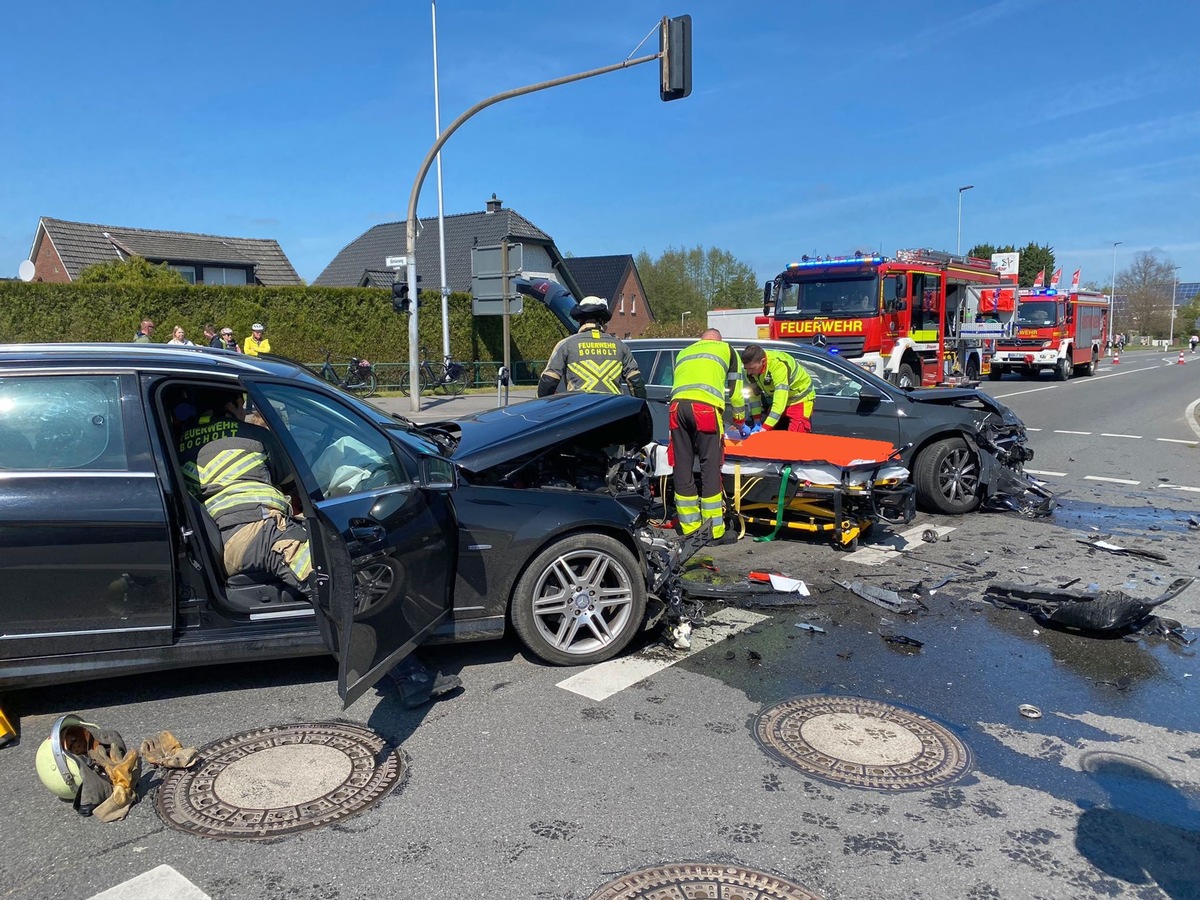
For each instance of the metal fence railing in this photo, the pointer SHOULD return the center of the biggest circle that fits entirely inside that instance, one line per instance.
(480, 373)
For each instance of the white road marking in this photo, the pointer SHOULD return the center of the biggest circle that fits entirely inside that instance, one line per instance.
(1058, 431)
(1090, 380)
(1135, 437)
(1112, 480)
(1033, 429)
(1042, 472)
(1181, 487)
(1176, 441)
(1190, 415)
(162, 881)
(602, 681)
(1048, 387)
(878, 553)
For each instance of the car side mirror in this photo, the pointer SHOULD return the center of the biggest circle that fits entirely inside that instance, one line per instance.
(870, 396)
(767, 298)
(438, 474)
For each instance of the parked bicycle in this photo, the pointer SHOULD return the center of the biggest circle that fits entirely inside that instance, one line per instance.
(448, 377)
(359, 377)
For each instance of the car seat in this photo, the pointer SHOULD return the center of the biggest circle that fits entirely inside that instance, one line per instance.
(246, 592)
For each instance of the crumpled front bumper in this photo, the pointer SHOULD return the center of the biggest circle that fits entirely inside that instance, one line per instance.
(1002, 455)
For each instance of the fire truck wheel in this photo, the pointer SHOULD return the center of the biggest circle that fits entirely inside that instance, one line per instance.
(995, 372)
(972, 369)
(1064, 369)
(947, 477)
(907, 377)
(1089, 368)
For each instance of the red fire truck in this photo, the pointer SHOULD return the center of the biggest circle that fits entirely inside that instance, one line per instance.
(1065, 332)
(909, 319)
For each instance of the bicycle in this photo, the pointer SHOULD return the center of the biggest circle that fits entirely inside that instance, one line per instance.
(359, 377)
(448, 377)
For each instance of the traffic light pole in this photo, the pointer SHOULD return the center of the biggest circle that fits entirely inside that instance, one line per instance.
(414, 361)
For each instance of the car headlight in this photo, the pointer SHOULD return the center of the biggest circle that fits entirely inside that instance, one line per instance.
(1046, 345)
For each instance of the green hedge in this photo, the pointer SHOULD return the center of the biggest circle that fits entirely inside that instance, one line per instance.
(300, 320)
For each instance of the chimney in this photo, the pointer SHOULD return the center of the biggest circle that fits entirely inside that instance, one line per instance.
(494, 205)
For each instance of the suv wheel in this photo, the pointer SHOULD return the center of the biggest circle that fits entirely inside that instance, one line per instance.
(947, 477)
(580, 601)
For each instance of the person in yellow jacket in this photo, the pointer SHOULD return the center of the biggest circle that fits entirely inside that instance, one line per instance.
(705, 373)
(256, 343)
(780, 384)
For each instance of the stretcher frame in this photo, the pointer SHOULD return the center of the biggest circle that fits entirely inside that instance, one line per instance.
(842, 511)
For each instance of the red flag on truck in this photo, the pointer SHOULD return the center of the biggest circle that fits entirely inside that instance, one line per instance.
(1075, 281)
(1056, 277)
(1041, 279)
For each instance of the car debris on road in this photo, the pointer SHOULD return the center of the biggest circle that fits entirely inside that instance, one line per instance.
(1085, 611)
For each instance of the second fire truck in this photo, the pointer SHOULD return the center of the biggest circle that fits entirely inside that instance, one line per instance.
(1062, 331)
(913, 319)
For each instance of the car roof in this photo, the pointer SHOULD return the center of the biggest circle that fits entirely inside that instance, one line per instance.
(143, 356)
(672, 342)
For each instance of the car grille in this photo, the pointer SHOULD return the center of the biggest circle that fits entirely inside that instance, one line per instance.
(1022, 344)
(848, 346)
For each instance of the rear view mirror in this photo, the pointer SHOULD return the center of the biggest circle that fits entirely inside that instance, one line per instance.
(767, 298)
(438, 474)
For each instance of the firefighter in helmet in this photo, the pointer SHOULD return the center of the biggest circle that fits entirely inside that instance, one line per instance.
(591, 360)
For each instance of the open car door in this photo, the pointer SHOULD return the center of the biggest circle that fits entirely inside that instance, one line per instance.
(381, 527)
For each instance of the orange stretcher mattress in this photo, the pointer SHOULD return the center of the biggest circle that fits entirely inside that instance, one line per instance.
(796, 446)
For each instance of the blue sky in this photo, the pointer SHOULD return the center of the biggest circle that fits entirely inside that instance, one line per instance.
(823, 128)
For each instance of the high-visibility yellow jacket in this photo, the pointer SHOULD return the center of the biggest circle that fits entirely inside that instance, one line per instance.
(705, 372)
(229, 464)
(251, 347)
(786, 382)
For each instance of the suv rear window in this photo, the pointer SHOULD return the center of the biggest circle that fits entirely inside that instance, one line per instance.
(61, 422)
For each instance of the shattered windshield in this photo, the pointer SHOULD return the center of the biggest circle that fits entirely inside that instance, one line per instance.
(857, 296)
(1037, 314)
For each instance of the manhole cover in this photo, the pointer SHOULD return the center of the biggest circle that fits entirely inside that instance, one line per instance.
(862, 743)
(274, 781)
(685, 881)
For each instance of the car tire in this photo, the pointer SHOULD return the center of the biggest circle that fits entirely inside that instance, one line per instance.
(1064, 369)
(555, 608)
(946, 475)
(907, 377)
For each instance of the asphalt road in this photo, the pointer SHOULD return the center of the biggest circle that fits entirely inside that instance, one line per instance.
(521, 788)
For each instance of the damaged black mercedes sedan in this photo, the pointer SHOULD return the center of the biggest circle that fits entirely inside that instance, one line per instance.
(962, 447)
(529, 515)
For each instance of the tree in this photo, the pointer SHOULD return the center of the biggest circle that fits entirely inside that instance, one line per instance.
(1034, 258)
(694, 281)
(1147, 286)
(132, 271)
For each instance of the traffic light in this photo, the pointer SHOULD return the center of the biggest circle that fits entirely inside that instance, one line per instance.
(675, 44)
(400, 301)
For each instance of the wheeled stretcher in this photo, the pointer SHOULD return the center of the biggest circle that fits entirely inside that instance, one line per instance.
(817, 483)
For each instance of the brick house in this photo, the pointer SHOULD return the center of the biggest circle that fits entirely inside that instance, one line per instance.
(616, 279)
(61, 250)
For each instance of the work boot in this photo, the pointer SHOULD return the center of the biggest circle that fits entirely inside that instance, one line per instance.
(165, 750)
(729, 537)
(420, 688)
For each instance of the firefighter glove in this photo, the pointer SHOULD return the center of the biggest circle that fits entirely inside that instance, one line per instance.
(166, 751)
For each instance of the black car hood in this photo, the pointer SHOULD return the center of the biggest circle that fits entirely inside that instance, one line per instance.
(957, 397)
(497, 436)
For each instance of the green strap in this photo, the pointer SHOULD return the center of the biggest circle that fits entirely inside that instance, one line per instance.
(786, 474)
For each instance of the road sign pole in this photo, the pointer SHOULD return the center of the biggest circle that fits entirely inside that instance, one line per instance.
(504, 291)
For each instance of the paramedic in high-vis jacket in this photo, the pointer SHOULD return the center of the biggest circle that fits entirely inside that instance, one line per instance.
(704, 373)
(782, 386)
(591, 360)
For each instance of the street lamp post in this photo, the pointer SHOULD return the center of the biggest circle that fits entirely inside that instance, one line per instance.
(1112, 291)
(686, 312)
(961, 191)
(1174, 291)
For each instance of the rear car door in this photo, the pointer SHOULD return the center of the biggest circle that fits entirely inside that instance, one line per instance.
(839, 407)
(85, 549)
(384, 547)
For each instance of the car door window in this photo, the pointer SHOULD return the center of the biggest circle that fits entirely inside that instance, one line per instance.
(829, 381)
(62, 422)
(345, 453)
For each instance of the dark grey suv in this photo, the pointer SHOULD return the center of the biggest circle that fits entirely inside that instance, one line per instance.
(962, 446)
(454, 531)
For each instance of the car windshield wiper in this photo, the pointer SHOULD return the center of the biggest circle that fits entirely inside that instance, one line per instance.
(439, 436)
